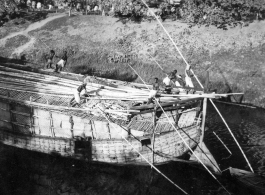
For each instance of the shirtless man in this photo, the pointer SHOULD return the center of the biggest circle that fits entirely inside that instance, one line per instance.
(50, 59)
(153, 92)
(80, 91)
(61, 63)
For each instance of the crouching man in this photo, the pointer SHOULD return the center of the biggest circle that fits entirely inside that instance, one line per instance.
(61, 63)
(78, 93)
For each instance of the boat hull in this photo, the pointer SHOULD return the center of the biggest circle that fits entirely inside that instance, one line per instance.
(114, 151)
(248, 182)
(39, 119)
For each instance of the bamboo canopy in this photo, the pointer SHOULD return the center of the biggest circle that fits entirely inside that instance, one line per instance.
(104, 93)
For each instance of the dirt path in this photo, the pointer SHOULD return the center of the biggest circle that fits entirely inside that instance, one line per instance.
(25, 32)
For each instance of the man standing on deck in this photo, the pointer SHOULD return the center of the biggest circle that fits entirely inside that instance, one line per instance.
(180, 83)
(172, 75)
(167, 82)
(188, 76)
(61, 63)
(153, 91)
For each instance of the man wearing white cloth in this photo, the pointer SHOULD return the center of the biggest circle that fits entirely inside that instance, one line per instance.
(167, 82)
(80, 91)
(180, 83)
(153, 92)
(61, 64)
(188, 76)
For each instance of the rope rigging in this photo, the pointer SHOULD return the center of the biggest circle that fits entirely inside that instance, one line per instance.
(198, 82)
(181, 136)
(154, 167)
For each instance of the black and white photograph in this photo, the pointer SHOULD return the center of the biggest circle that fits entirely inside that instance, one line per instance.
(132, 97)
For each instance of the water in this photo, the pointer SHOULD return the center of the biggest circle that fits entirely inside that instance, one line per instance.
(248, 126)
(24, 172)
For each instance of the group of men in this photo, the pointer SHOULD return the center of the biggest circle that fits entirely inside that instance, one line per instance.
(60, 64)
(178, 81)
(173, 80)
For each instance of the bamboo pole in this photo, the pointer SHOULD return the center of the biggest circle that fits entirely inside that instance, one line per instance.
(30, 79)
(232, 135)
(165, 104)
(36, 85)
(38, 75)
(103, 114)
(153, 137)
(234, 104)
(222, 143)
(66, 108)
(40, 93)
(204, 109)
(212, 95)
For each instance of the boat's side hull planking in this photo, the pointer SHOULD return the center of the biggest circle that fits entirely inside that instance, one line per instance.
(115, 151)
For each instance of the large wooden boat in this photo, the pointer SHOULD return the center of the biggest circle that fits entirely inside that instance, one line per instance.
(112, 125)
(249, 183)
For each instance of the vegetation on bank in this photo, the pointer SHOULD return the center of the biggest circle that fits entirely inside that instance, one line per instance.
(220, 13)
(233, 57)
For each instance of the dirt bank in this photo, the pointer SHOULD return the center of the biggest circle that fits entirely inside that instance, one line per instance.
(104, 45)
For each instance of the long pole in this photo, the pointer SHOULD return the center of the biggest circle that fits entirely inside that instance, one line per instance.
(222, 142)
(153, 139)
(138, 76)
(231, 134)
(173, 42)
(129, 143)
(203, 120)
(183, 140)
(156, 63)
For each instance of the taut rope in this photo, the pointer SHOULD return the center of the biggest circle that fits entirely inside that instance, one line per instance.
(144, 157)
(198, 82)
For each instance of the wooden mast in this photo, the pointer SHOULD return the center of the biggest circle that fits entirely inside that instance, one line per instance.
(153, 138)
(203, 119)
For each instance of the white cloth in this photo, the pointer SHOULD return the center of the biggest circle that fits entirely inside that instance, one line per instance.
(77, 95)
(29, 3)
(188, 80)
(179, 85)
(166, 81)
(61, 63)
(152, 93)
(38, 5)
(96, 8)
(33, 4)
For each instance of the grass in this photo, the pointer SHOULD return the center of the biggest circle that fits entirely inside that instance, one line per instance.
(238, 66)
(16, 41)
(21, 22)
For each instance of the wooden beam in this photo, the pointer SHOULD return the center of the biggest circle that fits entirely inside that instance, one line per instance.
(166, 109)
(151, 106)
(204, 109)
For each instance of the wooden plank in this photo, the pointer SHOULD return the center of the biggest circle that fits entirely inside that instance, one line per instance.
(166, 109)
(150, 106)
